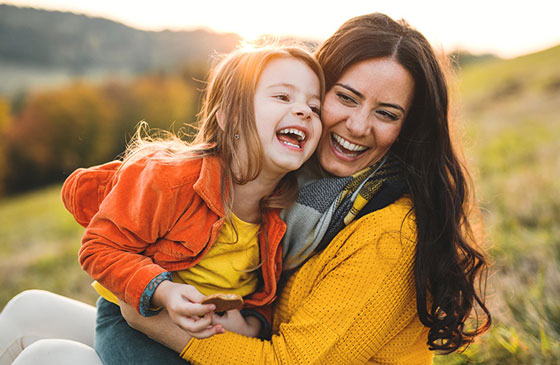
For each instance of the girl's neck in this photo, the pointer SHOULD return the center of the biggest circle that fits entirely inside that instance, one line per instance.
(247, 197)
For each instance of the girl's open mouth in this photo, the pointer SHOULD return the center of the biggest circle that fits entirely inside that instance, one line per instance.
(292, 137)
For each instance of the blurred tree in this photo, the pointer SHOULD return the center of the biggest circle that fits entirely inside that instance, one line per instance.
(58, 131)
(4, 125)
(82, 124)
(162, 101)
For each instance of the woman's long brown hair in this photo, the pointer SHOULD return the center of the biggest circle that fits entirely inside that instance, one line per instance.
(448, 264)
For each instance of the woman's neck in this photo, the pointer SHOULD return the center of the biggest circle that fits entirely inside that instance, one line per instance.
(247, 197)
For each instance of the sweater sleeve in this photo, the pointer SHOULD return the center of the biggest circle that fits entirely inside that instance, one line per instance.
(132, 216)
(363, 296)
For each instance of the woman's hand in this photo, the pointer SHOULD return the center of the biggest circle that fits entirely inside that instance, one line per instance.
(159, 328)
(182, 304)
(233, 321)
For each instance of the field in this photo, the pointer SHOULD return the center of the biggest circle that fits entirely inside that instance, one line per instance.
(39, 245)
(508, 112)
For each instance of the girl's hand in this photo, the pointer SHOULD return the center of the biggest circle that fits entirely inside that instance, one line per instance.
(233, 321)
(182, 304)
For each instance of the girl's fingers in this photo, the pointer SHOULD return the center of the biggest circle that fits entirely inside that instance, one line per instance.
(193, 294)
(194, 309)
(209, 332)
(195, 324)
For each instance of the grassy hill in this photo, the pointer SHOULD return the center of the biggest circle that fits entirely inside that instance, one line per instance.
(508, 112)
(39, 242)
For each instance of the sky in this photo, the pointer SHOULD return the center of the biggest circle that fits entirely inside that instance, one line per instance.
(505, 28)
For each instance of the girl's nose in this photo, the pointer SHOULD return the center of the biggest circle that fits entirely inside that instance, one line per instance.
(302, 111)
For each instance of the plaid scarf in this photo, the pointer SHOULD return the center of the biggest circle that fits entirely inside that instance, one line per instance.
(326, 205)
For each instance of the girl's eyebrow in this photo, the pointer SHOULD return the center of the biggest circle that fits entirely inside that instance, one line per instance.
(361, 96)
(289, 86)
(282, 84)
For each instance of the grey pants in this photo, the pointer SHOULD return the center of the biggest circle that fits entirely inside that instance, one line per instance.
(118, 343)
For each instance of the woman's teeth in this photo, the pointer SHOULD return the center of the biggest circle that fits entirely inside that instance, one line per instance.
(352, 150)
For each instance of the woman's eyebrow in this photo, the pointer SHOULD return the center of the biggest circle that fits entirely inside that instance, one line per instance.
(361, 96)
(395, 106)
(350, 88)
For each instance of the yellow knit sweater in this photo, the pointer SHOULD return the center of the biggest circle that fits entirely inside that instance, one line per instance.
(353, 303)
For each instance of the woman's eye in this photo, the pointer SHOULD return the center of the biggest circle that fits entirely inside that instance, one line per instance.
(346, 99)
(387, 115)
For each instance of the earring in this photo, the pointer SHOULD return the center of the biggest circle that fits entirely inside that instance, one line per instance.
(236, 136)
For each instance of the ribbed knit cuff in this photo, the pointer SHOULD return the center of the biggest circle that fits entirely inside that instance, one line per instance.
(266, 331)
(184, 351)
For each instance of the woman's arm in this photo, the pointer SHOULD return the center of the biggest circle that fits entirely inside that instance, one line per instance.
(362, 297)
(160, 328)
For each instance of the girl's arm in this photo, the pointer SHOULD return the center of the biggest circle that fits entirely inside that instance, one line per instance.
(139, 211)
(131, 217)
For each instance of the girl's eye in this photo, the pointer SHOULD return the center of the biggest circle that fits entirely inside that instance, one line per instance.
(346, 99)
(316, 110)
(387, 115)
(283, 97)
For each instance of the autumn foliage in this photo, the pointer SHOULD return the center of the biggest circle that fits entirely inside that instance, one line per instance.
(82, 124)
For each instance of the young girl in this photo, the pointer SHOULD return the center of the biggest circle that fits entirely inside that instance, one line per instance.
(204, 214)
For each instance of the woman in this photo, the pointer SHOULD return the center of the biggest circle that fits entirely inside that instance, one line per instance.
(399, 281)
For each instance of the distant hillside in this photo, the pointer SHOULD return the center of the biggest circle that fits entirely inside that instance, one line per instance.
(491, 83)
(32, 41)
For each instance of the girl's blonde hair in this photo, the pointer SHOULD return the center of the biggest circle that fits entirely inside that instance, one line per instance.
(229, 96)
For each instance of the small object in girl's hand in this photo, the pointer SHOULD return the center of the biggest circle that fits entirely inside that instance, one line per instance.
(223, 302)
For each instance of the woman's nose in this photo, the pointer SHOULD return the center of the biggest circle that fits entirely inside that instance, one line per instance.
(358, 125)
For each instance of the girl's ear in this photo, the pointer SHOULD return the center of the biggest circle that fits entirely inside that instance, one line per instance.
(220, 118)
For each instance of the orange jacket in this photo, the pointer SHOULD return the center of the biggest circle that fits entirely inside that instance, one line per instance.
(151, 218)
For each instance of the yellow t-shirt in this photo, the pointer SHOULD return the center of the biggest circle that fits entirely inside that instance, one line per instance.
(228, 267)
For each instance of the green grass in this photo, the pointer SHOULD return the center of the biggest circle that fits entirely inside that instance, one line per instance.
(511, 115)
(39, 242)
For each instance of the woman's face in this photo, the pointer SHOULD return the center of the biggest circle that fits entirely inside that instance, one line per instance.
(363, 114)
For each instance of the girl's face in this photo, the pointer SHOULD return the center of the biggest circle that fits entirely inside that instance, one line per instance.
(287, 107)
(363, 114)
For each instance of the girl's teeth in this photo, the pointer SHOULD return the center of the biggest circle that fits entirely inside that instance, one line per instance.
(297, 132)
(290, 144)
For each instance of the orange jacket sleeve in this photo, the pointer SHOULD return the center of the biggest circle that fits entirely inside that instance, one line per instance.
(140, 208)
(84, 190)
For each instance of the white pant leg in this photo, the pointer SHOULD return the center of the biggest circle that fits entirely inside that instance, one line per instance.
(36, 314)
(58, 352)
